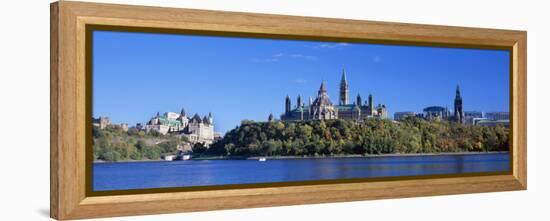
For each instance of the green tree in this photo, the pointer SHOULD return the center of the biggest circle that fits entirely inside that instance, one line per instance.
(199, 148)
(112, 156)
(151, 152)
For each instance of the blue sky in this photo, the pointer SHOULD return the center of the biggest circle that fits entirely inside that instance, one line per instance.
(136, 75)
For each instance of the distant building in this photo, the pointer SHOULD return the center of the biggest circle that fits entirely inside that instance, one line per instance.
(471, 116)
(492, 123)
(498, 115)
(443, 113)
(475, 121)
(101, 122)
(139, 126)
(196, 129)
(403, 115)
(474, 114)
(200, 130)
(124, 127)
(322, 107)
(436, 113)
(493, 119)
(168, 122)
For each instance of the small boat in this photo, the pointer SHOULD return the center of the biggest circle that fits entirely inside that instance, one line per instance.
(182, 156)
(262, 159)
(169, 157)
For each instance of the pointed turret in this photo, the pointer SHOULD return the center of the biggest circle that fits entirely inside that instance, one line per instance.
(322, 97)
(287, 104)
(196, 118)
(210, 118)
(299, 102)
(323, 88)
(358, 100)
(182, 113)
(270, 118)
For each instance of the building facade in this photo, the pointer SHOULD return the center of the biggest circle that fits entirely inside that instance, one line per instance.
(436, 113)
(473, 114)
(471, 117)
(498, 115)
(322, 107)
(403, 115)
(494, 119)
(459, 115)
(196, 129)
(200, 130)
(101, 122)
(493, 123)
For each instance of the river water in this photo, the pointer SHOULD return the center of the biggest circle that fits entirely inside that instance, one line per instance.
(144, 175)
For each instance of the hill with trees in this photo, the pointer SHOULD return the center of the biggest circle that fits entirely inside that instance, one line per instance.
(372, 136)
(114, 144)
(307, 138)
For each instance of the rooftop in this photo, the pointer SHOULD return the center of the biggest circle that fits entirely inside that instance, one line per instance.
(435, 109)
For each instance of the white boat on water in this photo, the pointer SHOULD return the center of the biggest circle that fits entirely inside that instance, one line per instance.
(262, 159)
(186, 157)
(169, 157)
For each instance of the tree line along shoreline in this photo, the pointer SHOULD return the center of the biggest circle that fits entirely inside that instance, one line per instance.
(299, 139)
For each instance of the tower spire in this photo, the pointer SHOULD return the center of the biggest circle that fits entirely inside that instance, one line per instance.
(323, 88)
(344, 97)
(459, 113)
(344, 79)
(210, 118)
(371, 104)
(182, 113)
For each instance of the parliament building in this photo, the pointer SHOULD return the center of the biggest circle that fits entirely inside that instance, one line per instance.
(322, 107)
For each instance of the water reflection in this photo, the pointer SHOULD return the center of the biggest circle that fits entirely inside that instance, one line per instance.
(139, 175)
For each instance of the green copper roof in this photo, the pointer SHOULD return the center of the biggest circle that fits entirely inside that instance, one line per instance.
(345, 107)
(339, 107)
(164, 120)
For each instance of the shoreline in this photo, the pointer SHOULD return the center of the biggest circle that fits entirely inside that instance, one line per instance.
(311, 157)
(377, 155)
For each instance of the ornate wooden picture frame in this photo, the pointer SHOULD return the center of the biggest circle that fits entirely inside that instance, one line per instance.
(71, 197)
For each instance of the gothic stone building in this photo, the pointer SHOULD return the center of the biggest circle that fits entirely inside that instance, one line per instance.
(322, 107)
(196, 129)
